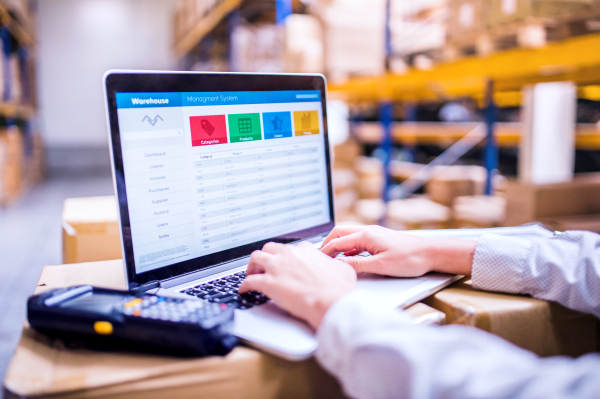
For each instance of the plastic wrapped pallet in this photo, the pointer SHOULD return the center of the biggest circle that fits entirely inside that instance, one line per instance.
(90, 230)
(479, 211)
(304, 44)
(417, 213)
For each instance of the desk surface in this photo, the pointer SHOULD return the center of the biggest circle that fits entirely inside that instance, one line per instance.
(42, 366)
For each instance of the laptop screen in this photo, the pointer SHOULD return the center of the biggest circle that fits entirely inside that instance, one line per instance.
(210, 171)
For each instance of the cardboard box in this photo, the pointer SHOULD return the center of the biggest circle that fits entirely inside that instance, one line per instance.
(545, 328)
(90, 230)
(346, 153)
(466, 19)
(343, 179)
(456, 181)
(12, 172)
(509, 11)
(528, 203)
(370, 211)
(577, 222)
(479, 211)
(44, 367)
(416, 214)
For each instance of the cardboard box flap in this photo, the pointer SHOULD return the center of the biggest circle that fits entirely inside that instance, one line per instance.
(108, 274)
(64, 370)
(90, 210)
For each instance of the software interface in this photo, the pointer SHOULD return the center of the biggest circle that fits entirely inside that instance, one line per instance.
(206, 172)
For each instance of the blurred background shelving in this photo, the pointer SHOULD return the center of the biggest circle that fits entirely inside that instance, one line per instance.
(21, 149)
(407, 81)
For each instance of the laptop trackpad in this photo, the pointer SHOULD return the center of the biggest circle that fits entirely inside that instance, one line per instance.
(272, 329)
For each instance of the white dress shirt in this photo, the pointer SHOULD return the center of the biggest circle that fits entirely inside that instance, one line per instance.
(377, 353)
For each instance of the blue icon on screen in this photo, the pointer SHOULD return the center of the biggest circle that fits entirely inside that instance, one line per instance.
(277, 125)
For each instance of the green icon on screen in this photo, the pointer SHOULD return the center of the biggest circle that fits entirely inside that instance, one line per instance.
(244, 127)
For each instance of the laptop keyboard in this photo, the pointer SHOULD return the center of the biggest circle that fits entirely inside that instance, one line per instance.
(225, 290)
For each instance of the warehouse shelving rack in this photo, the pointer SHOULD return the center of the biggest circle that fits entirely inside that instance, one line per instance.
(18, 40)
(493, 80)
(224, 12)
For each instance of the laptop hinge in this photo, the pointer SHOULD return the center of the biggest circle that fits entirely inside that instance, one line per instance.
(150, 285)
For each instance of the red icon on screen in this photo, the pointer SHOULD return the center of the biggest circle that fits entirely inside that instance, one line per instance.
(208, 130)
(207, 127)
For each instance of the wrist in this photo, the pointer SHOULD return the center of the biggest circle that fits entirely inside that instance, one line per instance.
(452, 255)
(318, 307)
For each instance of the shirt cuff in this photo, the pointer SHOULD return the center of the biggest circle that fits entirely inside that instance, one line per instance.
(346, 322)
(499, 262)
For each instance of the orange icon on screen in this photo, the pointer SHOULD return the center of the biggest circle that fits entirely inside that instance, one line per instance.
(306, 123)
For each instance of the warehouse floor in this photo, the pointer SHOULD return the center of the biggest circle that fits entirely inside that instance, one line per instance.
(30, 237)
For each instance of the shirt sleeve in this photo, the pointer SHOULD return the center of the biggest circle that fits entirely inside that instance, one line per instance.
(564, 268)
(378, 353)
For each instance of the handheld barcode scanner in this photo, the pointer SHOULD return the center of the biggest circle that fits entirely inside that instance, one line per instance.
(122, 320)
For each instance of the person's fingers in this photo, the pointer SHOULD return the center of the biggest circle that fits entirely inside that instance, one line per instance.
(341, 231)
(255, 282)
(272, 247)
(260, 262)
(352, 253)
(352, 242)
(360, 264)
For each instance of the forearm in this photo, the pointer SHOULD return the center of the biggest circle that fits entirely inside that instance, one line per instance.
(451, 255)
(378, 354)
(565, 268)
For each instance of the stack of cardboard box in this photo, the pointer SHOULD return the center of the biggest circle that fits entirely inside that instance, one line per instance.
(35, 163)
(90, 230)
(479, 211)
(482, 27)
(563, 206)
(416, 214)
(370, 177)
(189, 13)
(12, 174)
(344, 186)
(456, 181)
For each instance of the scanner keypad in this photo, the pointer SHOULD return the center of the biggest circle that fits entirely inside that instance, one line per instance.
(173, 309)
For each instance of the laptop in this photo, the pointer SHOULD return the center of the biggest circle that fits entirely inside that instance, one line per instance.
(209, 167)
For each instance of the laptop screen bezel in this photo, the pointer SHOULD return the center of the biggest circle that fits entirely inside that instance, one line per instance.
(160, 82)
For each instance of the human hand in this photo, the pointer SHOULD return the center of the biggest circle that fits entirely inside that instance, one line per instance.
(398, 254)
(300, 279)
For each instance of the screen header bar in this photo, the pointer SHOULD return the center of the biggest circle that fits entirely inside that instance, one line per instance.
(194, 99)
